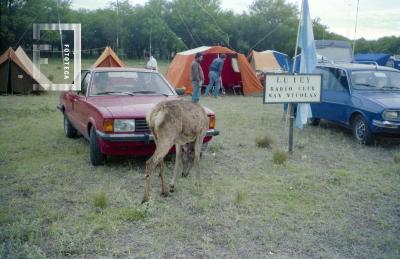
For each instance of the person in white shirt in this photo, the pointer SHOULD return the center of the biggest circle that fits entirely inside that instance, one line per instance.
(151, 62)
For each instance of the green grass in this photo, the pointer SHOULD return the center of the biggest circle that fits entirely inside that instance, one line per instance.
(332, 198)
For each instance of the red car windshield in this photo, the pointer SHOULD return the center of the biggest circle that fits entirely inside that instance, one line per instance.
(129, 83)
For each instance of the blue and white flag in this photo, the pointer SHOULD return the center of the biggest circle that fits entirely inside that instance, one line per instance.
(308, 60)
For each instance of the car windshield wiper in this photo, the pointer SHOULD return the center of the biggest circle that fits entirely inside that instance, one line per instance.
(148, 92)
(114, 92)
(390, 87)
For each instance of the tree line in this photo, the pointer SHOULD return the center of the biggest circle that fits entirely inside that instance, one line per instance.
(166, 27)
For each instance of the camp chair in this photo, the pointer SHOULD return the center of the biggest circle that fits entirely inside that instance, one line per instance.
(238, 88)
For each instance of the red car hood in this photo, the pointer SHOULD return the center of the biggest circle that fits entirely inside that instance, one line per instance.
(128, 106)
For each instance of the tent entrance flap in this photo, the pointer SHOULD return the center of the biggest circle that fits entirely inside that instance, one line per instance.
(229, 76)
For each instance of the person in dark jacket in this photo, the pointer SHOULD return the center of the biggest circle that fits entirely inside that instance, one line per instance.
(197, 77)
(214, 75)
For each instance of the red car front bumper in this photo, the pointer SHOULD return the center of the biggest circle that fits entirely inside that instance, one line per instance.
(134, 144)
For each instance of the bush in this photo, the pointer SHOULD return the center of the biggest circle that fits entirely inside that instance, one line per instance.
(131, 214)
(280, 157)
(396, 158)
(240, 197)
(100, 200)
(25, 190)
(265, 142)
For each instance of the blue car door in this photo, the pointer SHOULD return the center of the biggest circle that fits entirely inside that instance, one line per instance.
(335, 95)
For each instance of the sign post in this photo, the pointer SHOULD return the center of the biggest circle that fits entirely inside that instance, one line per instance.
(291, 125)
(292, 89)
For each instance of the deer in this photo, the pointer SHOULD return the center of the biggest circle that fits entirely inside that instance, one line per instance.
(180, 123)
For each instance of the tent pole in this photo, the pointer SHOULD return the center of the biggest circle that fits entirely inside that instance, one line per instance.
(292, 105)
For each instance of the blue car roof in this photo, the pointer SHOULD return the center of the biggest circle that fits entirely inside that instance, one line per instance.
(355, 66)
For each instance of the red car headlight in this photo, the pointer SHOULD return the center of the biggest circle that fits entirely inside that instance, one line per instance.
(124, 125)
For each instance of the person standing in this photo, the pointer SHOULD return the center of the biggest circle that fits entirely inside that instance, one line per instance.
(151, 62)
(197, 77)
(214, 75)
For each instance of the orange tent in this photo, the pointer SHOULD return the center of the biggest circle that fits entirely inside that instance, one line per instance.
(264, 61)
(108, 59)
(19, 75)
(269, 61)
(236, 70)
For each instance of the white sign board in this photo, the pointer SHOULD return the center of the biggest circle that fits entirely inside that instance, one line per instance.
(289, 88)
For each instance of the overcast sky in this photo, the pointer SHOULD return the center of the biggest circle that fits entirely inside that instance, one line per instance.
(376, 18)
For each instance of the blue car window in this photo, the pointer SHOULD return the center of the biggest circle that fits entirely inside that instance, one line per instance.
(338, 80)
(333, 79)
(325, 77)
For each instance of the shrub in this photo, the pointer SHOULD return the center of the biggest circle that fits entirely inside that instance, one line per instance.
(396, 158)
(280, 157)
(100, 200)
(131, 214)
(265, 142)
(25, 190)
(240, 197)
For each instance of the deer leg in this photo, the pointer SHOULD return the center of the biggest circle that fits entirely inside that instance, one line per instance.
(197, 152)
(178, 166)
(164, 188)
(156, 158)
(147, 185)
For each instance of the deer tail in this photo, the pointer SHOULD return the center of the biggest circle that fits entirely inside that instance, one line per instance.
(155, 119)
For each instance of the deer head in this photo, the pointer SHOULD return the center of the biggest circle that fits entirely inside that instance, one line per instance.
(188, 154)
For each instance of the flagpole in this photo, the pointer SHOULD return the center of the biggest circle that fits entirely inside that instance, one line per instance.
(291, 105)
(298, 32)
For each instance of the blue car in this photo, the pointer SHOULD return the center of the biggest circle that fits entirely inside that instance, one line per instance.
(364, 98)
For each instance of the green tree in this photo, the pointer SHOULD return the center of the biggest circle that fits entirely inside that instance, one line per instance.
(18, 17)
(169, 26)
(275, 23)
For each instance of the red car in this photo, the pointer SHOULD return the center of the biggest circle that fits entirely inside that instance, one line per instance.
(110, 111)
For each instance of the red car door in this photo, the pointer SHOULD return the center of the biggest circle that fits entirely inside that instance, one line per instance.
(80, 107)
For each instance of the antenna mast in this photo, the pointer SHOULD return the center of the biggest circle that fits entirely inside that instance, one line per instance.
(117, 25)
(355, 28)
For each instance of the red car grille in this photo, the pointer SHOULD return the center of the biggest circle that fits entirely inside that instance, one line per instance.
(141, 125)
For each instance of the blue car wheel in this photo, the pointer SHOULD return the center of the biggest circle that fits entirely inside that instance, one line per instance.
(314, 121)
(361, 130)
